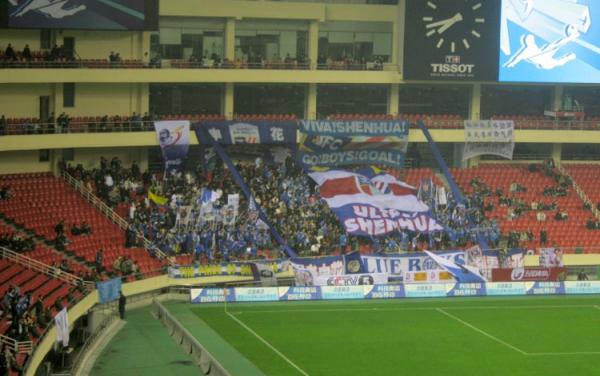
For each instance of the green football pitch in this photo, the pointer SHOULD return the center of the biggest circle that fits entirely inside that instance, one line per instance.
(456, 336)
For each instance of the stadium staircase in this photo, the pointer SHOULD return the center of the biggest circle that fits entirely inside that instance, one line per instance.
(44, 250)
(40, 201)
(570, 233)
(585, 181)
(108, 212)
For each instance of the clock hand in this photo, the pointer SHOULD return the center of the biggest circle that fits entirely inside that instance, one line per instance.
(451, 23)
(443, 22)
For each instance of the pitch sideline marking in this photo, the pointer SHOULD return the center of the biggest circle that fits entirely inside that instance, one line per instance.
(267, 344)
(565, 353)
(480, 331)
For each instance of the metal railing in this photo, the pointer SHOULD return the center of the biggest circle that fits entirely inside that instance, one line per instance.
(17, 347)
(91, 340)
(197, 64)
(34, 127)
(582, 195)
(39, 266)
(110, 213)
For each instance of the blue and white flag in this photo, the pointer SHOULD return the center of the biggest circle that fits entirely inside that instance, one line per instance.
(374, 205)
(208, 196)
(174, 140)
(109, 290)
(462, 272)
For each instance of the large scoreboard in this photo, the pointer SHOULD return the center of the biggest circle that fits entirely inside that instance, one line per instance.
(536, 41)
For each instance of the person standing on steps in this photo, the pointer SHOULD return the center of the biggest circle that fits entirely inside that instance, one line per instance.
(122, 302)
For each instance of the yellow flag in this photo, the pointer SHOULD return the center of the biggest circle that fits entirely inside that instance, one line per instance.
(159, 200)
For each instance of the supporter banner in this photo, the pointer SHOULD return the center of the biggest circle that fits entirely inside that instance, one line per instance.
(373, 206)
(323, 266)
(246, 132)
(351, 279)
(257, 294)
(61, 321)
(431, 276)
(399, 265)
(462, 272)
(484, 261)
(529, 274)
(325, 143)
(487, 131)
(514, 258)
(174, 140)
(495, 137)
(108, 290)
(551, 257)
(238, 269)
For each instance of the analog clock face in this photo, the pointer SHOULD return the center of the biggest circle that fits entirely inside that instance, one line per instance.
(454, 26)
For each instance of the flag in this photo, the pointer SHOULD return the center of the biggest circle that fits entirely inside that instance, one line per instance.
(62, 327)
(373, 206)
(174, 140)
(158, 200)
(108, 290)
(462, 273)
(208, 196)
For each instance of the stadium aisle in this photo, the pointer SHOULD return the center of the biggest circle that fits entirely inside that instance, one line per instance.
(143, 347)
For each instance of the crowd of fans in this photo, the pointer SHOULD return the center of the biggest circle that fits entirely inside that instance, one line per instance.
(10, 56)
(177, 215)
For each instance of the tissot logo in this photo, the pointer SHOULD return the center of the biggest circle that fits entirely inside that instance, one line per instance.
(452, 59)
(452, 68)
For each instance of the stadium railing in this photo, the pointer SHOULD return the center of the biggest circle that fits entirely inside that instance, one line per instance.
(108, 212)
(17, 347)
(33, 127)
(187, 64)
(38, 266)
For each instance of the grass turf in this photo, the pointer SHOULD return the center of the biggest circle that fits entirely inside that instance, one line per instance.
(458, 336)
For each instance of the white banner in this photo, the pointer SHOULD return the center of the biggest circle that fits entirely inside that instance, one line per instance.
(495, 137)
(174, 140)
(62, 327)
(350, 279)
(551, 257)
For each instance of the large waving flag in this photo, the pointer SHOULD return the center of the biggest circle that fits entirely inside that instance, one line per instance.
(375, 205)
(462, 273)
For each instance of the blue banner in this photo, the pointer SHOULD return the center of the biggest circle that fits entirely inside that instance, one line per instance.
(325, 143)
(246, 132)
(174, 140)
(108, 290)
(547, 288)
(467, 289)
(384, 292)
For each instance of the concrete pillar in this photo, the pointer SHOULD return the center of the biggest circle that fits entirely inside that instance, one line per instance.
(313, 43)
(310, 112)
(57, 105)
(475, 108)
(557, 98)
(229, 36)
(144, 47)
(143, 98)
(228, 110)
(556, 153)
(393, 99)
(398, 37)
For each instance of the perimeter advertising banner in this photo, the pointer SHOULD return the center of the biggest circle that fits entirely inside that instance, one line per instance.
(259, 294)
(529, 273)
(451, 40)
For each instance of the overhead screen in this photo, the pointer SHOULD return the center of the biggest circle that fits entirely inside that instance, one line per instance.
(535, 41)
(550, 41)
(83, 14)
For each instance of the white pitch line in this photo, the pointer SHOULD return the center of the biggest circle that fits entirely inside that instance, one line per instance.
(481, 331)
(415, 308)
(267, 343)
(597, 307)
